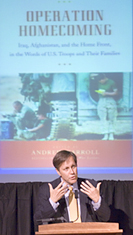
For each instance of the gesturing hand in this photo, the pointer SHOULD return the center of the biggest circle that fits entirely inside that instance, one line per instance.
(90, 190)
(57, 193)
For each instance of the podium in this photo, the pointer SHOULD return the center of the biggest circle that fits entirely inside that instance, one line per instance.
(91, 228)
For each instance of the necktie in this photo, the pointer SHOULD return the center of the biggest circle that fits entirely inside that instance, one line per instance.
(73, 207)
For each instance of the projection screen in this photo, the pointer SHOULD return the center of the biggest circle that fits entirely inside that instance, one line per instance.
(59, 61)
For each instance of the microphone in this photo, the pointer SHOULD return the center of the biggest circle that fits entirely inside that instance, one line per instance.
(76, 193)
(52, 220)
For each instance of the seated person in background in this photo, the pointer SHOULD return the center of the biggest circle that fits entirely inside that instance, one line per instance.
(22, 117)
(42, 127)
(54, 201)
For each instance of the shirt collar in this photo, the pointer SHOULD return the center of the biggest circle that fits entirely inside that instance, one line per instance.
(74, 186)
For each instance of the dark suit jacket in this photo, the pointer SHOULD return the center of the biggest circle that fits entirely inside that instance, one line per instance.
(45, 210)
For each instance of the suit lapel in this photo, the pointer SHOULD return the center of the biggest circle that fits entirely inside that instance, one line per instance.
(62, 209)
(85, 205)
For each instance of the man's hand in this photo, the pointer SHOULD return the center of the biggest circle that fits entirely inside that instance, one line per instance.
(90, 190)
(57, 193)
(104, 93)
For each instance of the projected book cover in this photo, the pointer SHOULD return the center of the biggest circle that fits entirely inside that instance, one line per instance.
(66, 82)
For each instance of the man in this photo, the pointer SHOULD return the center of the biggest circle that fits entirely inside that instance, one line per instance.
(42, 127)
(23, 117)
(53, 197)
(107, 108)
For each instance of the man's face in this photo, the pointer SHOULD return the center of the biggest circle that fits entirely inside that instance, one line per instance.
(40, 117)
(17, 107)
(68, 171)
(102, 81)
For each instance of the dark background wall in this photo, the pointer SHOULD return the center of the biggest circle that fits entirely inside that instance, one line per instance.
(18, 200)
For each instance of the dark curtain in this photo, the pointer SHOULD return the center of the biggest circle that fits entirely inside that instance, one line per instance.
(18, 200)
(119, 196)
